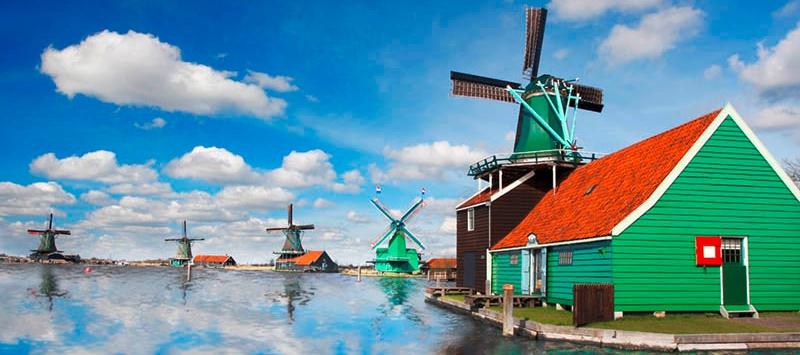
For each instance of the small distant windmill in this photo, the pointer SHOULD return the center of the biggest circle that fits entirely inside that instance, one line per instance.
(292, 245)
(543, 122)
(184, 254)
(397, 257)
(47, 242)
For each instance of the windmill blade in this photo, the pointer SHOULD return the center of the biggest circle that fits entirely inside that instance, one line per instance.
(382, 208)
(36, 231)
(412, 237)
(184, 228)
(469, 85)
(195, 239)
(276, 229)
(412, 211)
(290, 215)
(534, 24)
(173, 239)
(389, 231)
(63, 232)
(305, 226)
(591, 97)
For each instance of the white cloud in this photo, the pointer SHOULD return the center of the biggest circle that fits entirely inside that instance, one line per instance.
(255, 197)
(99, 166)
(655, 34)
(351, 182)
(311, 98)
(561, 53)
(579, 10)
(425, 161)
(303, 169)
(153, 188)
(96, 197)
(35, 199)
(776, 73)
(712, 72)
(354, 217)
(211, 164)
(789, 9)
(138, 69)
(156, 123)
(277, 83)
(322, 203)
(778, 116)
(448, 225)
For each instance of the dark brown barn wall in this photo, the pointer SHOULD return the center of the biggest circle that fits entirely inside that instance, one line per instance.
(511, 208)
(476, 241)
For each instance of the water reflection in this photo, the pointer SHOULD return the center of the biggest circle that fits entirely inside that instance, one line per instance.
(293, 291)
(397, 290)
(153, 310)
(48, 287)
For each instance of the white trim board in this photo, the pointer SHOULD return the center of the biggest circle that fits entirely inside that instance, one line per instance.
(500, 192)
(726, 111)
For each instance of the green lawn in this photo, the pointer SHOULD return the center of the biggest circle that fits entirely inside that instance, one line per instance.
(546, 315)
(457, 298)
(689, 324)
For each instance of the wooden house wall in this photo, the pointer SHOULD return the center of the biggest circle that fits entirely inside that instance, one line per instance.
(476, 242)
(506, 272)
(591, 263)
(511, 208)
(728, 189)
(325, 259)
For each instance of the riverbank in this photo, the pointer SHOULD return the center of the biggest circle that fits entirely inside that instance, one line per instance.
(624, 339)
(374, 273)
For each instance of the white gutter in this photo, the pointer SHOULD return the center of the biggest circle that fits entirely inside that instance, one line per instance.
(534, 246)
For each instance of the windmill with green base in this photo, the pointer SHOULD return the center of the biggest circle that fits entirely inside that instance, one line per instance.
(396, 257)
(548, 105)
(184, 254)
(47, 249)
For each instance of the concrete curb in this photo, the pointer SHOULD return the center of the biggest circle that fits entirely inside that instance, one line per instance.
(630, 339)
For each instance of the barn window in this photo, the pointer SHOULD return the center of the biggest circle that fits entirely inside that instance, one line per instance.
(565, 257)
(731, 251)
(471, 219)
(514, 259)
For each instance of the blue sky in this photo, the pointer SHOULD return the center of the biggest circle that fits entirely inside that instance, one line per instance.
(193, 110)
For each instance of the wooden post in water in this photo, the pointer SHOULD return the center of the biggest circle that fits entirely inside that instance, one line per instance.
(508, 310)
(359, 274)
(189, 271)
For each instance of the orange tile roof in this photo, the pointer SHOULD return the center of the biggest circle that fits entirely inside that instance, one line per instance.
(306, 259)
(211, 258)
(622, 182)
(442, 263)
(483, 196)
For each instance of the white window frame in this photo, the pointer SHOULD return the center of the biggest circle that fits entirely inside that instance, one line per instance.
(471, 219)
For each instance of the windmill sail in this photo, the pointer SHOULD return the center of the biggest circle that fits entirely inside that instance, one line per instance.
(469, 85)
(591, 97)
(534, 23)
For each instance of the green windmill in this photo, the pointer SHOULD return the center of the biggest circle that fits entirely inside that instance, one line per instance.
(184, 254)
(292, 245)
(47, 249)
(396, 257)
(545, 124)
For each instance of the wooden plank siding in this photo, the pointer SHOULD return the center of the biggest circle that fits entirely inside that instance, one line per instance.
(511, 208)
(476, 241)
(591, 263)
(506, 272)
(728, 189)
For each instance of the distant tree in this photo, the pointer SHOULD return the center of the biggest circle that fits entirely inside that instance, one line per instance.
(793, 169)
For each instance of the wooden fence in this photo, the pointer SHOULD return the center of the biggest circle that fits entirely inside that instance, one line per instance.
(592, 303)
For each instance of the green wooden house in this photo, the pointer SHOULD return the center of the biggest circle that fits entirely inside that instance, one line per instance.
(697, 218)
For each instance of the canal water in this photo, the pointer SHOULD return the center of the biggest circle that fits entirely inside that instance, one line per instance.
(60, 308)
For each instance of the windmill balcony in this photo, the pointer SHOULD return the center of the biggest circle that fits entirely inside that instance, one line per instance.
(541, 157)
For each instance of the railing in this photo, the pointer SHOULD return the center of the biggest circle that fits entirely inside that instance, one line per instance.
(534, 157)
